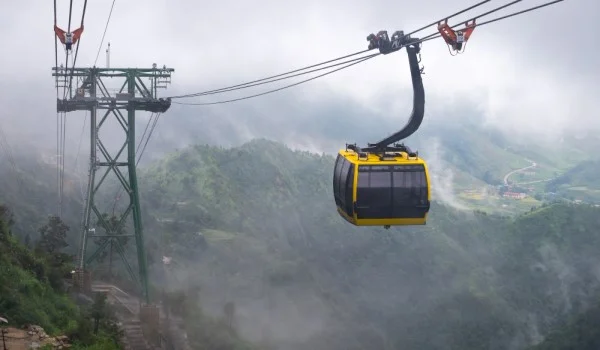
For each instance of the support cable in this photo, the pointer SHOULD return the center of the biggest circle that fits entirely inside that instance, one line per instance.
(229, 88)
(105, 28)
(282, 78)
(281, 88)
(364, 58)
(435, 35)
(62, 128)
(57, 113)
(453, 15)
(271, 77)
(68, 90)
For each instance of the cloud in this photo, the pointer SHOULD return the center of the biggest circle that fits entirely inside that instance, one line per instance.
(442, 176)
(531, 75)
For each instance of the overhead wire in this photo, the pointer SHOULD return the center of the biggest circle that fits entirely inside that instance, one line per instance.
(77, 48)
(95, 61)
(56, 52)
(282, 78)
(62, 126)
(360, 60)
(57, 113)
(63, 116)
(104, 34)
(271, 77)
(519, 12)
(448, 17)
(148, 138)
(281, 88)
(67, 52)
(233, 87)
(435, 35)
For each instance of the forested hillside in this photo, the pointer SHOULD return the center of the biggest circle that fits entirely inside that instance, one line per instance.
(32, 291)
(29, 189)
(256, 226)
(580, 332)
(256, 242)
(581, 182)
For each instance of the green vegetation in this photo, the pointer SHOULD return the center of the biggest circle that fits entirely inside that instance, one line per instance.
(482, 154)
(579, 183)
(260, 255)
(257, 225)
(32, 290)
(471, 160)
(579, 333)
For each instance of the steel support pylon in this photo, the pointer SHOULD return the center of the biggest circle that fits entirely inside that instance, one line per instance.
(92, 95)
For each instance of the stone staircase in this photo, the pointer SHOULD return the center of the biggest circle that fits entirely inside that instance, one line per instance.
(128, 308)
(133, 338)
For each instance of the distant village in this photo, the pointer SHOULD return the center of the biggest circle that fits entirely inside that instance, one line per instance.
(518, 189)
(510, 190)
(514, 192)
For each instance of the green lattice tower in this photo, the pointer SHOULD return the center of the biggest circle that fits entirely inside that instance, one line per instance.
(91, 94)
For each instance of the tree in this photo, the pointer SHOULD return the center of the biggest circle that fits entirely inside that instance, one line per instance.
(53, 235)
(98, 310)
(7, 217)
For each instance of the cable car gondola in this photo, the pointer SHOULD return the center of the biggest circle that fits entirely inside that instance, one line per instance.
(386, 184)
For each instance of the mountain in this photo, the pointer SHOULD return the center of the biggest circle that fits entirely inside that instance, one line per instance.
(578, 183)
(28, 185)
(256, 225)
(32, 291)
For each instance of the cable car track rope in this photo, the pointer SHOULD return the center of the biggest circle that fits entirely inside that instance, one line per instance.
(286, 75)
(86, 115)
(282, 78)
(345, 63)
(105, 29)
(231, 88)
(435, 36)
(236, 87)
(61, 117)
(362, 59)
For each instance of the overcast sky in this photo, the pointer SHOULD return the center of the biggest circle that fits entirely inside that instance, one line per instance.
(536, 73)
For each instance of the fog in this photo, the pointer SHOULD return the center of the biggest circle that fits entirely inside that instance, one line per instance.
(532, 77)
(516, 74)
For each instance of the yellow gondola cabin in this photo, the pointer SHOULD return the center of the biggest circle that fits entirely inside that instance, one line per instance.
(376, 190)
(386, 184)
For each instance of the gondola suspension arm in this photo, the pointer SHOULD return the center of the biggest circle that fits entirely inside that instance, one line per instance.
(413, 48)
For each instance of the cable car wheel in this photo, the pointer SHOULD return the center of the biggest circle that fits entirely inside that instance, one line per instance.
(386, 184)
